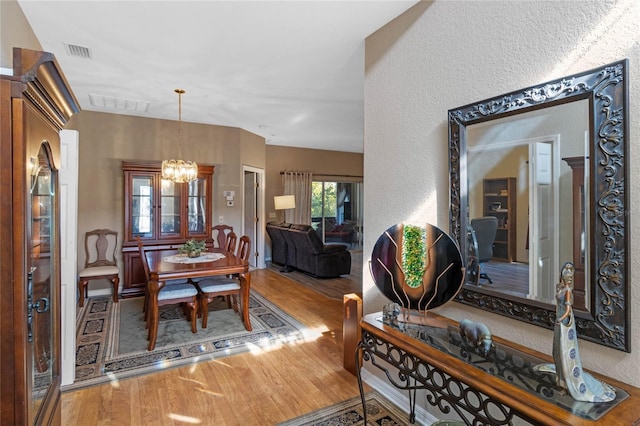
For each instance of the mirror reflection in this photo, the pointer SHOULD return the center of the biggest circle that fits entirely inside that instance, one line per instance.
(537, 178)
(521, 180)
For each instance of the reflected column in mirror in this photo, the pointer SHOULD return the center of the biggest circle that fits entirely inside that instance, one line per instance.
(580, 236)
(535, 211)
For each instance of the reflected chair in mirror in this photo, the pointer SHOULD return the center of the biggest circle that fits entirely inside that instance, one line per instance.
(100, 262)
(220, 234)
(484, 231)
(212, 287)
(171, 292)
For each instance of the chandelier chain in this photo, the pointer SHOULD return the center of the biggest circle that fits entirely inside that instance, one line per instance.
(179, 92)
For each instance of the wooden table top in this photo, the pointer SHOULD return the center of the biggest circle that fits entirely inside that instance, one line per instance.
(160, 269)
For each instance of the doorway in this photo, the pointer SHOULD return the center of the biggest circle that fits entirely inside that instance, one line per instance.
(253, 213)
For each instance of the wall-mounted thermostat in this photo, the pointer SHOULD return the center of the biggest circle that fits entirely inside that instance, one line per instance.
(229, 195)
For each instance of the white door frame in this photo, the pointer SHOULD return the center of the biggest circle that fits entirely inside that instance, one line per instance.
(258, 245)
(68, 190)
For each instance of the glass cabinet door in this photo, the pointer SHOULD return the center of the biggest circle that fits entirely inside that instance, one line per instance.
(142, 206)
(41, 282)
(196, 207)
(170, 206)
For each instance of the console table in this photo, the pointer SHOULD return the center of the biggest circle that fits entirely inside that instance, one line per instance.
(499, 389)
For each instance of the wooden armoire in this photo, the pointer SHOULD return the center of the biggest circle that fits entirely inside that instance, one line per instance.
(35, 103)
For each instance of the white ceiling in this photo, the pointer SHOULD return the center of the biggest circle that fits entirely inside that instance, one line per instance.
(290, 71)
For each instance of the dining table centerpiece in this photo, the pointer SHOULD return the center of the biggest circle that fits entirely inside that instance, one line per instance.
(193, 248)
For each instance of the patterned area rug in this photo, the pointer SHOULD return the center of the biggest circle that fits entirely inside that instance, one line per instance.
(380, 412)
(111, 337)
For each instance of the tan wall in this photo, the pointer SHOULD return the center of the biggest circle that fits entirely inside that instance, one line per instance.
(15, 31)
(319, 162)
(108, 139)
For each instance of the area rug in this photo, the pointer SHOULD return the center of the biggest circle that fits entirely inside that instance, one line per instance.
(111, 340)
(379, 412)
(333, 288)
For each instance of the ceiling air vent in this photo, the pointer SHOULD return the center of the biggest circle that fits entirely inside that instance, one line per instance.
(78, 51)
(109, 102)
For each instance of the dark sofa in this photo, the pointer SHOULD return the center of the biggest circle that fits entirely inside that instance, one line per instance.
(305, 251)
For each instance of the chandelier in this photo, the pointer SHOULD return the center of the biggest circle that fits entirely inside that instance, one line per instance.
(178, 170)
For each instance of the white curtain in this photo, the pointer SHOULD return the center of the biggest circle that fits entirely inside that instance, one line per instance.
(298, 184)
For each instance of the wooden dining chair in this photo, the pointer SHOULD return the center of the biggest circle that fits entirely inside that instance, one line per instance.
(100, 263)
(213, 287)
(230, 246)
(230, 243)
(183, 293)
(168, 282)
(220, 234)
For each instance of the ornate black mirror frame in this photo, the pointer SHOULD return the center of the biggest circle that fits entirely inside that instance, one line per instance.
(608, 319)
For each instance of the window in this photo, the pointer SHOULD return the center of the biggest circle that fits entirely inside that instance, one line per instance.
(336, 212)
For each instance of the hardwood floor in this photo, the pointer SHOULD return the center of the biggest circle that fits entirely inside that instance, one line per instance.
(509, 278)
(261, 388)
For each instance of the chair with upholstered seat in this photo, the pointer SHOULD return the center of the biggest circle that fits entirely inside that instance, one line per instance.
(100, 262)
(178, 292)
(213, 287)
(220, 234)
(230, 246)
(168, 282)
(484, 231)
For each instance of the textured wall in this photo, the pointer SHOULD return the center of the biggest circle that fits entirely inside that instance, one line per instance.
(445, 54)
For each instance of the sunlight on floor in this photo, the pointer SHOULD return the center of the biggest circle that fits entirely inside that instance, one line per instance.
(113, 380)
(184, 419)
(196, 360)
(308, 335)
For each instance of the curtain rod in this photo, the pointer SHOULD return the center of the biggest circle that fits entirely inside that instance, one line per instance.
(330, 175)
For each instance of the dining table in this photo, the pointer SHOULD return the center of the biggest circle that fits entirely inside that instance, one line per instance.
(167, 265)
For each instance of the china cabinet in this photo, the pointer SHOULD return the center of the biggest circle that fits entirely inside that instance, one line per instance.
(36, 103)
(500, 201)
(163, 213)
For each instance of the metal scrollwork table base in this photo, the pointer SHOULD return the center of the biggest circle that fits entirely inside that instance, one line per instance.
(499, 389)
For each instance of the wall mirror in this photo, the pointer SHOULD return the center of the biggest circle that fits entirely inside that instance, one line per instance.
(549, 164)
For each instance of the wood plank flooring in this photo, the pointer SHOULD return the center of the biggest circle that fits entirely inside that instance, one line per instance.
(260, 388)
(334, 288)
(508, 278)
